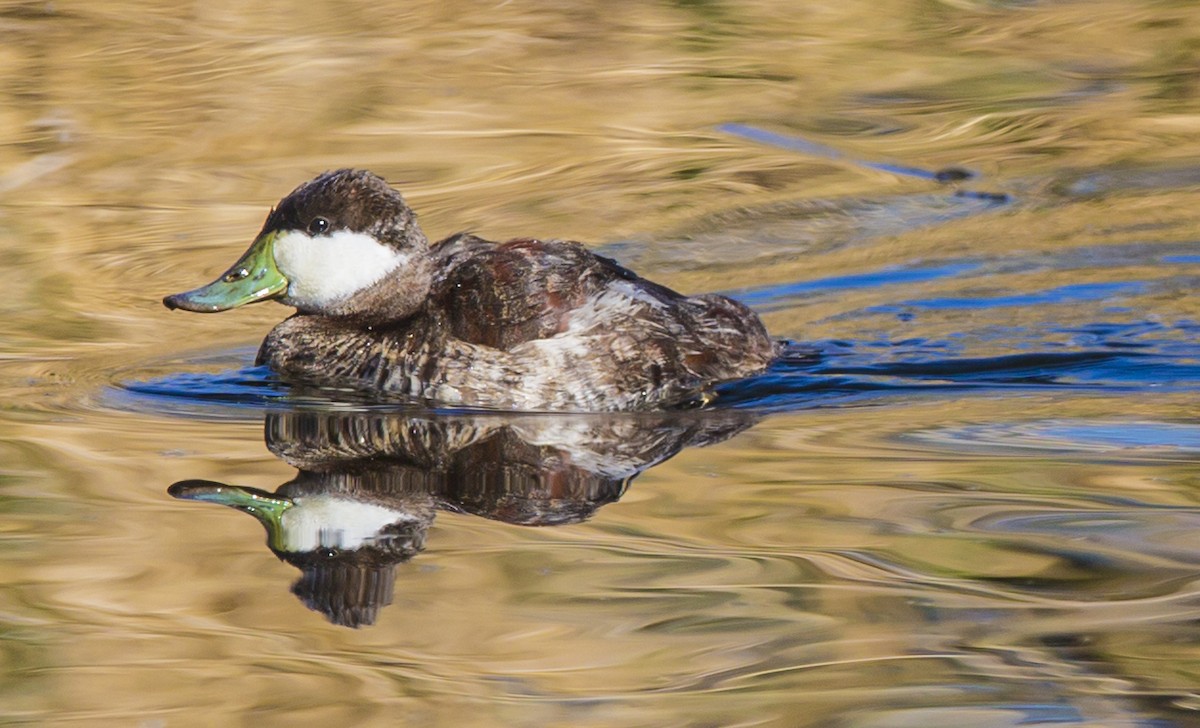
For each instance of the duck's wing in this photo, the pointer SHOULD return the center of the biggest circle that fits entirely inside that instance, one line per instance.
(522, 290)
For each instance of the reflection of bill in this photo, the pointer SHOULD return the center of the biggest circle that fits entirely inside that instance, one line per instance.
(369, 484)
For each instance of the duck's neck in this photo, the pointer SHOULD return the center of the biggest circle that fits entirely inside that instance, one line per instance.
(394, 297)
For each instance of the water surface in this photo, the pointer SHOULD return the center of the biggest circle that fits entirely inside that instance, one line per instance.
(968, 494)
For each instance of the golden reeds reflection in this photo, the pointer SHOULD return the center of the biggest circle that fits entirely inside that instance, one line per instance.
(803, 582)
(369, 485)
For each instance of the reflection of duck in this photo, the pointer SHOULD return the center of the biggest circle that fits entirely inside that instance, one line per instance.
(345, 543)
(526, 324)
(370, 483)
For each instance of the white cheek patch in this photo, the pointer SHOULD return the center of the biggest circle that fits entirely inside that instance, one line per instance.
(325, 521)
(327, 269)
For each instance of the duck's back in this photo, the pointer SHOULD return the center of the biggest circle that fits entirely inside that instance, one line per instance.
(583, 322)
(504, 294)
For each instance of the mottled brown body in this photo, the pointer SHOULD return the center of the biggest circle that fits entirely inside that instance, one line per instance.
(529, 324)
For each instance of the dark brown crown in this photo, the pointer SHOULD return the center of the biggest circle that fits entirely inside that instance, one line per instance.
(348, 199)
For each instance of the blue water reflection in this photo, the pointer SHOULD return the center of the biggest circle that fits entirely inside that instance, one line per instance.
(1073, 293)
(770, 297)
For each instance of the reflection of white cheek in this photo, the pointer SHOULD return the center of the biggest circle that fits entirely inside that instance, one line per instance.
(325, 521)
(324, 270)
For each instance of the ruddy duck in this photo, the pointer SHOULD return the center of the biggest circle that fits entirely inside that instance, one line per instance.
(525, 324)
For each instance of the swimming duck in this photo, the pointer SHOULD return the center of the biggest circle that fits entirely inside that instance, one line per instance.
(525, 324)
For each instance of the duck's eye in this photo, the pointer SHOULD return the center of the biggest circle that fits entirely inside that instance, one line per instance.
(318, 225)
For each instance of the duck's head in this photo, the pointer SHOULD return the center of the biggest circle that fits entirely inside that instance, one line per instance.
(327, 248)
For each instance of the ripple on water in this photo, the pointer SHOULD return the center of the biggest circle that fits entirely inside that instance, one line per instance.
(1127, 438)
(218, 385)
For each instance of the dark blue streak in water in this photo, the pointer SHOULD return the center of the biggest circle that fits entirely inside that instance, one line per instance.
(1074, 293)
(798, 144)
(764, 298)
(193, 393)
(804, 379)
(1185, 259)
(1008, 369)
(258, 381)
